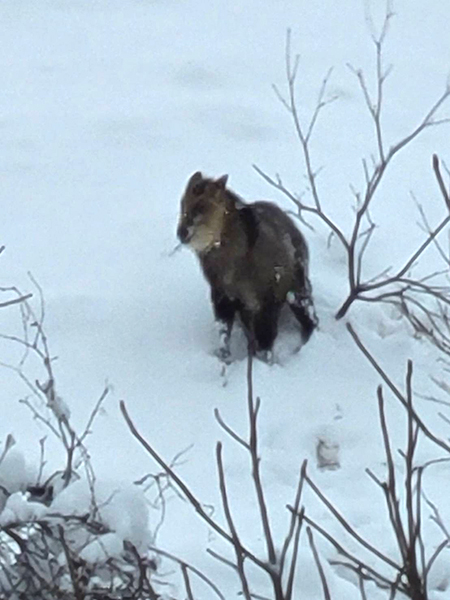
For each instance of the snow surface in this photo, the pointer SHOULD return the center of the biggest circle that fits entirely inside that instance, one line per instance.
(106, 109)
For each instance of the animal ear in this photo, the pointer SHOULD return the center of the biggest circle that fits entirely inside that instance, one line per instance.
(197, 184)
(195, 178)
(222, 182)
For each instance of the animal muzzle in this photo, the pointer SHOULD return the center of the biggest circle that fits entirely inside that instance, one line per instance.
(184, 232)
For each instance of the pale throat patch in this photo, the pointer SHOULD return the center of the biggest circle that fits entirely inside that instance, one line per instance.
(207, 235)
(203, 239)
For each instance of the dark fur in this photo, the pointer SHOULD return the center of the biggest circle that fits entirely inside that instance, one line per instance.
(253, 256)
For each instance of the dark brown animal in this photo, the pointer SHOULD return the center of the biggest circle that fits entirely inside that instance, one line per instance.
(254, 258)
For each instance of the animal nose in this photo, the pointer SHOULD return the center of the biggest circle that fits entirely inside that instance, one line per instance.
(183, 233)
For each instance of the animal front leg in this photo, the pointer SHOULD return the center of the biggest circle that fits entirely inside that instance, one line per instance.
(224, 310)
(261, 328)
(223, 351)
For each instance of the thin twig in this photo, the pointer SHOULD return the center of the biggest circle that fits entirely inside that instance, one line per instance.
(73, 576)
(345, 524)
(293, 520)
(395, 390)
(237, 546)
(16, 300)
(185, 489)
(253, 408)
(191, 568)
(230, 431)
(187, 583)
(293, 566)
(323, 579)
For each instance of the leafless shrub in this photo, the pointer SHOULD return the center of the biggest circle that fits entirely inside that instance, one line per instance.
(279, 567)
(412, 294)
(50, 548)
(405, 573)
(43, 401)
(408, 571)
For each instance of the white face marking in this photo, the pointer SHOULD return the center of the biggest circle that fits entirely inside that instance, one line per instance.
(202, 239)
(207, 230)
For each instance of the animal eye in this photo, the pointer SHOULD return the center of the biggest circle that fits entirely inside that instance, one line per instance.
(199, 188)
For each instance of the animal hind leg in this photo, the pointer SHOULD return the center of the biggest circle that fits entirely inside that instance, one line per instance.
(303, 309)
(301, 303)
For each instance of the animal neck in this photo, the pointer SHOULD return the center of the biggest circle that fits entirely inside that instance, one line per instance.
(241, 223)
(233, 242)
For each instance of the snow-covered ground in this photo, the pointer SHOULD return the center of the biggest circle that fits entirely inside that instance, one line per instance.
(106, 109)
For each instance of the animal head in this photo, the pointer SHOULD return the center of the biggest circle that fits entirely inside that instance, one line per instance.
(203, 208)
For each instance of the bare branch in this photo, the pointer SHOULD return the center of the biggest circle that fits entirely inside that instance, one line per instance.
(78, 593)
(187, 583)
(437, 172)
(191, 568)
(253, 444)
(237, 546)
(16, 300)
(326, 591)
(427, 121)
(184, 488)
(230, 431)
(390, 488)
(396, 391)
(297, 530)
(294, 513)
(348, 527)
(379, 579)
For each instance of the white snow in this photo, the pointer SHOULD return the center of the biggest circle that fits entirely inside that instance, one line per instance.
(106, 109)
(14, 472)
(18, 509)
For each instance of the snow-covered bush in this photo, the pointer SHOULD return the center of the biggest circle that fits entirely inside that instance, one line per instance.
(63, 534)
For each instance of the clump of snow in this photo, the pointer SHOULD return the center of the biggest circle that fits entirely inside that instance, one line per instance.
(122, 510)
(18, 509)
(101, 549)
(127, 514)
(59, 407)
(14, 473)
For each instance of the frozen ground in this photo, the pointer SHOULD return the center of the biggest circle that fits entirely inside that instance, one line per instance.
(106, 108)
